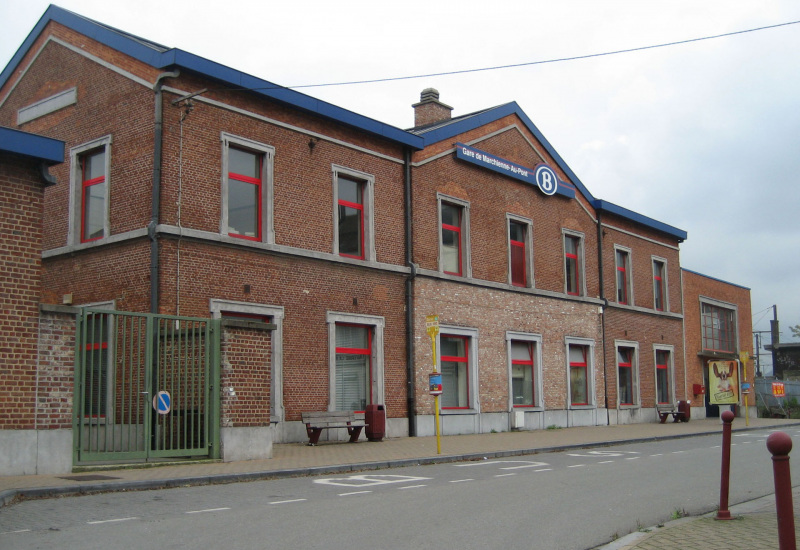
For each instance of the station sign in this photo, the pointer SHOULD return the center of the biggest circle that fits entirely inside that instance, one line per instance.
(541, 176)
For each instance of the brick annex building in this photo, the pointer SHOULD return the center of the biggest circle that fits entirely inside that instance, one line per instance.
(314, 242)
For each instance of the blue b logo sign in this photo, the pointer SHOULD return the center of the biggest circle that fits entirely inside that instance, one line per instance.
(546, 179)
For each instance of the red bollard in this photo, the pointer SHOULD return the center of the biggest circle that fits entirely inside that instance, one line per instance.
(780, 444)
(725, 476)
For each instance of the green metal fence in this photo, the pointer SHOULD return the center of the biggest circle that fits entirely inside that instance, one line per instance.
(146, 387)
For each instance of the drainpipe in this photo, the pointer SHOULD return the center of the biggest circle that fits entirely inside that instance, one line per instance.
(410, 374)
(603, 314)
(156, 204)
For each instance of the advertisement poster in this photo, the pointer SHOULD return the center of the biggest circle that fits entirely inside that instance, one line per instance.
(723, 382)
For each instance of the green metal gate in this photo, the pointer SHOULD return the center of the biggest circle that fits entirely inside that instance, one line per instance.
(146, 387)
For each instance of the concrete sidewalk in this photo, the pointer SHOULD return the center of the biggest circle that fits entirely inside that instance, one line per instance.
(297, 459)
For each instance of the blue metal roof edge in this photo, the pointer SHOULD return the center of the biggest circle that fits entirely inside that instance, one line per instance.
(175, 57)
(490, 115)
(35, 146)
(495, 113)
(715, 278)
(605, 206)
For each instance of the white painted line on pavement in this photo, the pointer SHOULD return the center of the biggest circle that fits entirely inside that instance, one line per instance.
(658, 454)
(632, 458)
(576, 466)
(505, 475)
(605, 462)
(544, 470)
(354, 493)
(109, 521)
(207, 510)
(412, 487)
(460, 480)
(288, 501)
(14, 532)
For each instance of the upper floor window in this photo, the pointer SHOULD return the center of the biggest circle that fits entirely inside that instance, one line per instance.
(719, 328)
(244, 194)
(93, 195)
(573, 263)
(353, 191)
(454, 237)
(623, 262)
(247, 189)
(89, 191)
(519, 243)
(660, 284)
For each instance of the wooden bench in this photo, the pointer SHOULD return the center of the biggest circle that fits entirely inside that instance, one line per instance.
(317, 421)
(677, 410)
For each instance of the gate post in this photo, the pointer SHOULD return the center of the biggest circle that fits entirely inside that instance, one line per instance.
(725, 475)
(780, 444)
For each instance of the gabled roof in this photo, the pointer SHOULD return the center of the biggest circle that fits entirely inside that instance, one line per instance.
(162, 57)
(447, 129)
(48, 150)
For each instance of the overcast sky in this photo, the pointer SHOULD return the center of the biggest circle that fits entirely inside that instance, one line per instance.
(704, 136)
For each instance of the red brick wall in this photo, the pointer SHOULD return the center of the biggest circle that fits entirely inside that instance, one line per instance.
(245, 377)
(56, 370)
(21, 191)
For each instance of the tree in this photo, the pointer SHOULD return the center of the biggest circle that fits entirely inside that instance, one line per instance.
(795, 331)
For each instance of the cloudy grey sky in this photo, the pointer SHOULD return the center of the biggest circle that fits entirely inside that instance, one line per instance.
(704, 136)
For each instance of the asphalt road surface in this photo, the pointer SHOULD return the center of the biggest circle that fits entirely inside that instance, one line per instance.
(570, 500)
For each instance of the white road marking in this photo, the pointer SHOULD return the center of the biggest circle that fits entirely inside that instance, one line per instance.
(109, 521)
(366, 480)
(354, 493)
(601, 454)
(412, 487)
(605, 462)
(525, 464)
(460, 480)
(288, 501)
(544, 470)
(206, 511)
(13, 532)
(505, 475)
(577, 466)
(633, 458)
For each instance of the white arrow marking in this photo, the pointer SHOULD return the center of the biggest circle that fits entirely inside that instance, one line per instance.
(366, 480)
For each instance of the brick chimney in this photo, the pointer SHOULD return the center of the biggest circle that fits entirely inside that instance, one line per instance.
(429, 109)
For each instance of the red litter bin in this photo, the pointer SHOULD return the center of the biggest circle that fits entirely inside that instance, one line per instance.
(375, 419)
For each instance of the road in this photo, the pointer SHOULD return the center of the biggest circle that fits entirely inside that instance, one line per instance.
(569, 500)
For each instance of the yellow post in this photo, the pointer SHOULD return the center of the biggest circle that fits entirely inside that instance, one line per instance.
(743, 357)
(432, 324)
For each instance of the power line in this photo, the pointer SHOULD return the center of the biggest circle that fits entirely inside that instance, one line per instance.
(530, 63)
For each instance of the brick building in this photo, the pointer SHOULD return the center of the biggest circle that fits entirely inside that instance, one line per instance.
(719, 325)
(24, 163)
(324, 238)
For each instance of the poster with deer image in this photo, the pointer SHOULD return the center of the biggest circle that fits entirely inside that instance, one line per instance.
(723, 382)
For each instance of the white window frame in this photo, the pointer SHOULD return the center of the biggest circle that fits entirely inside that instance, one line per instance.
(530, 281)
(670, 371)
(473, 397)
(581, 259)
(719, 305)
(634, 373)
(377, 325)
(267, 185)
(538, 386)
(466, 256)
(368, 182)
(76, 188)
(664, 281)
(628, 274)
(590, 382)
(276, 313)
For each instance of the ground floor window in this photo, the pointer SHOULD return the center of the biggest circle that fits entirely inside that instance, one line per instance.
(356, 361)
(353, 367)
(455, 372)
(664, 376)
(524, 358)
(627, 374)
(579, 357)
